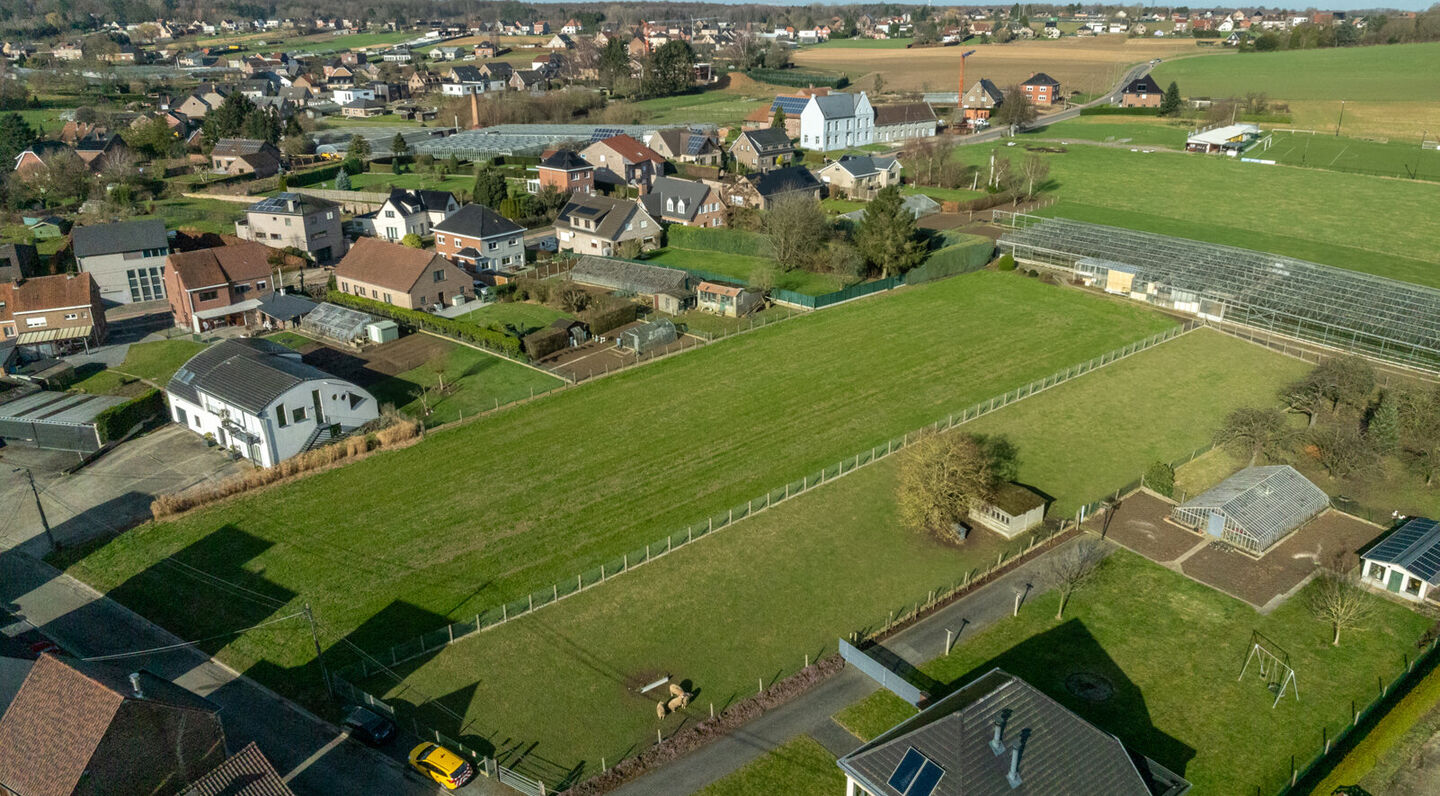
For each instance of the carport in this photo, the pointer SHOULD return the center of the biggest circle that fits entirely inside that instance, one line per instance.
(56, 420)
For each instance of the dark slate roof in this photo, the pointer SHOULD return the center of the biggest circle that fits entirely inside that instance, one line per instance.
(1062, 753)
(668, 193)
(565, 160)
(1041, 79)
(903, 112)
(124, 236)
(608, 213)
(836, 106)
(285, 305)
(1414, 547)
(478, 221)
(627, 276)
(466, 74)
(234, 147)
(246, 773)
(768, 139)
(780, 181)
(417, 201)
(864, 165)
(249, 373)
(1143, 85)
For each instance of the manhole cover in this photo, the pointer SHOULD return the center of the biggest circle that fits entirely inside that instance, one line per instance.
(1089, 686)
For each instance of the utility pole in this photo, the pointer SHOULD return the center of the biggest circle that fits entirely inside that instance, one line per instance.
(44, 523)
(1342, 119)
(315, 637)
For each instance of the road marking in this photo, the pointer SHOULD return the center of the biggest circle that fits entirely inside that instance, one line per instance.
(319, 753)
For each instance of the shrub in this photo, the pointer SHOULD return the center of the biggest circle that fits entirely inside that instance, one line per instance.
(1161, 478)
(1006, 262)
(971, 253)
(1112, 110)
(116, 422)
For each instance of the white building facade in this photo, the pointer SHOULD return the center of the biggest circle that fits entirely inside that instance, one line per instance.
(837, 121)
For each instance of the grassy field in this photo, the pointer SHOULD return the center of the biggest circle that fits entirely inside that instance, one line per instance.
(742, 267)
(381, 181)
(801, 767)
(1321, 151)
(1389, 90)
(711, 106)
(1119, 130)
(525, 317)
(205, 215)
(1086, 65)
(863, 44)
(1388, 751)
(594, 471)
(1304, 213)
(1172, 649)
(474, 382)
(845, 532)
(155, 362)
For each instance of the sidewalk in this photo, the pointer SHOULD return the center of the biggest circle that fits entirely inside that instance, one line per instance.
(810, 713)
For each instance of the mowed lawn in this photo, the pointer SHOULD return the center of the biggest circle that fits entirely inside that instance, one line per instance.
(678, 615)
(473, 382)
(801, 767)
(155, 362)
(1353, 221)
(743, 267)
(1172, 649)
(1339, 153)
(525, 317)
(493, 509)
(1118, 130)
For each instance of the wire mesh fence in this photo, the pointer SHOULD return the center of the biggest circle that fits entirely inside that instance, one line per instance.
(523, 605)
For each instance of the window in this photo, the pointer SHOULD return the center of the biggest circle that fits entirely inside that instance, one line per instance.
(72, 316)
(374, 293)
(1412, 586)
(280, 415)
(260, 285)
(287, 222)
(297, 414)
(1377, 571)
(494, 245)
(33, 323)
(330, 215)
(389, 213)
(440, 239)
(439, 275)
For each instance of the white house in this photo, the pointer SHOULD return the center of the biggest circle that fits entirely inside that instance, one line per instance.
(837, 121)
(260, 400)
(345, 96)
(1407, 562)
(1012, 510)
(408, 212)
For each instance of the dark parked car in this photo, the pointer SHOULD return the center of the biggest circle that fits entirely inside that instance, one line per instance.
(368, 728)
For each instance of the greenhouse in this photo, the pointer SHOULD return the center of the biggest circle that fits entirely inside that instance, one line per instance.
(1254, 508)
(336, 322)
(524, 139)
(1366, 314)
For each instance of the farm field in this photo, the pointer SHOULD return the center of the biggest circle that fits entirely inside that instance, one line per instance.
(847, 532)
(742, 267)
(1304, 213)
(1389, 90)
(861, 44)
(1086, 65)
(1172, 649)
(525, 317)
(155, 361)
(589, 474)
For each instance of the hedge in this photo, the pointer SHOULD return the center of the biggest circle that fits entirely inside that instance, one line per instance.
(464, 331)
(792, 77)
(958, 258)
(116, 422)
(602, 321)
(1115, 110)
(323, 174)
(515, 160)
(730, 241)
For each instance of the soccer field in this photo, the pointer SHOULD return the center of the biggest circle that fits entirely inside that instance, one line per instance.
(1324, 151)
(402, 542)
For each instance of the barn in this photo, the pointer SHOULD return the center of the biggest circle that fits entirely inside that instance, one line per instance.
(1254, 508)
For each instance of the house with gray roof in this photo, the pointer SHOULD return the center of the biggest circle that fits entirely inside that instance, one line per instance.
(690, 203)
(595, 224)
(408, 213)
(126, 259)
(996, 736)
(259, 399)
(761, 190)
(762, 149)
(306, 222)
(1407, 562)
(859, 177)
(837, 121)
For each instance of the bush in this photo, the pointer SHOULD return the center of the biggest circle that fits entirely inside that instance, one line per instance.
(116, 422)
(603, 319)
(1006, 262)
(1161, 478)
(464, 331)
(1113, 110)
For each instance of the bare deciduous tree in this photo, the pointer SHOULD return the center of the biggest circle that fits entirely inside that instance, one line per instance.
(1071, 569)
(942, 476)
(1251, 432)
(796, 229)
(1034, 169)
(1343, 450)
(1339, 600)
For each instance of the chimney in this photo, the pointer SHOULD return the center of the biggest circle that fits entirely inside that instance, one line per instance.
(474, 111)
(1014, 776)
(135, 686)
(996, 744)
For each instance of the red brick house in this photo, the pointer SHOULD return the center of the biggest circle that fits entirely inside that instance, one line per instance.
(1142, 92)
(214, 288)
(566, 172)
(52, 315)
(1041, 89)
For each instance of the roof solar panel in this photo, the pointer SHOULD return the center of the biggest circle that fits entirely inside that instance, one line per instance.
(692, 147)
(926, 780)
(602, 133)
(906, 772)
(791, 105)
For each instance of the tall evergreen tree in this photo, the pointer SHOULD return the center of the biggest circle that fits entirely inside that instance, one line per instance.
(887, 235)
(490, 189)
(778, 120)
(1170, 105)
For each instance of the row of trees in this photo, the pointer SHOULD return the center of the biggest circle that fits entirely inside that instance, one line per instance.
(801, 236)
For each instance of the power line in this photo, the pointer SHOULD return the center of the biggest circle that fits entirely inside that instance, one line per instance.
(184, 644)
(215, 580)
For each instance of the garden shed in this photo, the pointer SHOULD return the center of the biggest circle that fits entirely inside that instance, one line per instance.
(623, 276)
(647, 336)
(1254, 508)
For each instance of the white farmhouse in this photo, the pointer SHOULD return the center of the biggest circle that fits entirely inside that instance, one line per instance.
(258, 399)
(837, 121)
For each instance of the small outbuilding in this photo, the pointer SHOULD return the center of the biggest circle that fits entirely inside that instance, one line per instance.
(647, 336)
(726, 300)
(1254, 508)
(1011, 511)
(1407, 562)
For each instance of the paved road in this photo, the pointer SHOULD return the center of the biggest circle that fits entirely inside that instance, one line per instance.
(810, 713)
(998, 133)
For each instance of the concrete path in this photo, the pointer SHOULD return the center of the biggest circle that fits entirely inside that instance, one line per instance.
(810, 713)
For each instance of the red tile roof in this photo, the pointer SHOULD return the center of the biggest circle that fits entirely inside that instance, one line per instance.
(632, 150)
(242, 261)
(387, 265)
(52, 729)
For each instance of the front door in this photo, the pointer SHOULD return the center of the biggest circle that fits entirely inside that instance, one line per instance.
(1396, 577)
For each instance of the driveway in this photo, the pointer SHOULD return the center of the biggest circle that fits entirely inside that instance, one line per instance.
(108, 495)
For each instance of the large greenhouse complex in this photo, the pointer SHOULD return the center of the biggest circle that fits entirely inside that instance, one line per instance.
(1371, 315)
(1254, 508)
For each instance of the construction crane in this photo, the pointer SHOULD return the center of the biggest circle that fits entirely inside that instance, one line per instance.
(960, 95)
